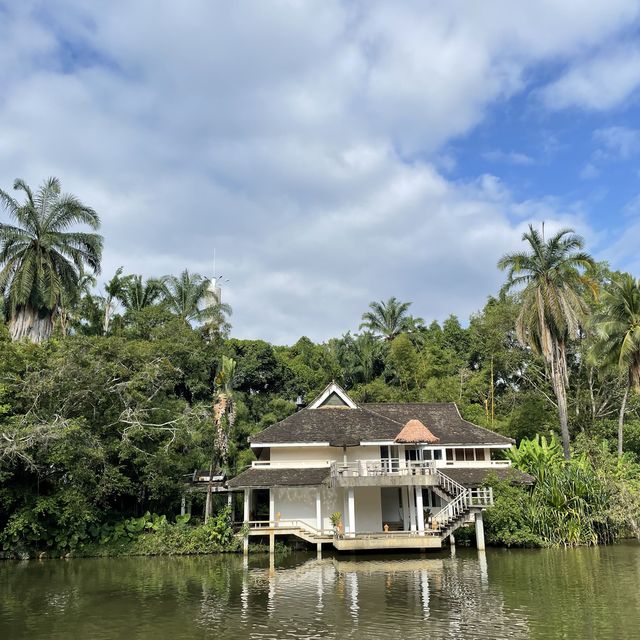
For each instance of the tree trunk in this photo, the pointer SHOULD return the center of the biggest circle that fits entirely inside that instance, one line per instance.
(623, 409)
(106, 322)
(28, 323)
(558, 380)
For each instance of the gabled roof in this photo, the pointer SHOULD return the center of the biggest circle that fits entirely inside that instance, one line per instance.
(333, 396)
(415, 432)
(377, 422)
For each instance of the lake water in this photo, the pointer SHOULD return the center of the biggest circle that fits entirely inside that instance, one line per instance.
(556, 593)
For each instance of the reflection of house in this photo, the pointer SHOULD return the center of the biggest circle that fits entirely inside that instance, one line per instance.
(400, 475)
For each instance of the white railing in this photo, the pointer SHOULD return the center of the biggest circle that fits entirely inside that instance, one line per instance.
(395, 466)
(382, 467)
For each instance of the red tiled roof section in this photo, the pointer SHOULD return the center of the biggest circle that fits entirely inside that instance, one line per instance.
(414, 431)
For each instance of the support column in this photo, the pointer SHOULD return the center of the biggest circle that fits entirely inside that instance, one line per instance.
(345, 512)
(352, 511)
(232, 514)
(420, 510)
(272, 542)
(405, 507)
(318, 509)
(412, 509)
(479, 531)
(272, 506)
(247, 502)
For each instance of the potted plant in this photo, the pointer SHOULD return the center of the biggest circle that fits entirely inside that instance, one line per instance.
(336, 521)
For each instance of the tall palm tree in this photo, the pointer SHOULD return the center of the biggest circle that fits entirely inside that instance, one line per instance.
(389, 319)
(113, 289)
(224, 417)
(617, 325)
(135, 294)
(551, 275)
(190, 297)
(42, 260)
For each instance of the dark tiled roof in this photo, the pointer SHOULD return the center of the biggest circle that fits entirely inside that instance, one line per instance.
(338, 426)
(342, 427)
(256, 477)
(442, 419)
(474, 477)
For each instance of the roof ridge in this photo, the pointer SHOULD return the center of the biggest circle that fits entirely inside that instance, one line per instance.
(375, 413)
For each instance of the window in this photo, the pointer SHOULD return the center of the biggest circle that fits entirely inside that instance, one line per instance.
(449, 454)
(459, 455)
(437, 454)
(427, 454)
(468, 455)
(480, 454)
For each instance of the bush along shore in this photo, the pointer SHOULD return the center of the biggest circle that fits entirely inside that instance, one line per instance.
(149, 535)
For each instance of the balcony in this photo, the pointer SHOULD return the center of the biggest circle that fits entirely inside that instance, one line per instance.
(386, 471)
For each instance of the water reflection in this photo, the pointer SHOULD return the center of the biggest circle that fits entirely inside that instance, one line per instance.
(498, 594)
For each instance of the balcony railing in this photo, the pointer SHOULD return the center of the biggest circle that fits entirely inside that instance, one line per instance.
(382, 467)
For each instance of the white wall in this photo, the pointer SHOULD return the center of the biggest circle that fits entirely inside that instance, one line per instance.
(293, 454)
(368, 509)
(295, 503)
(391, 503)
(364, 452)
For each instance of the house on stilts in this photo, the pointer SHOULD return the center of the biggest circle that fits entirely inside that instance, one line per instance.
(371, 476)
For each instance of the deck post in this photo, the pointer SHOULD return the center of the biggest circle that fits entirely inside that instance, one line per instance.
(247, 501)
(352, 511)
(404, 492)
(230, 505)
(318, 510)
(412, 509)
(420, 510)
(479, 531)
(272, 542)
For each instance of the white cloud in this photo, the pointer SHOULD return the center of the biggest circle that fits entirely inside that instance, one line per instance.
(617, 142)
(508, 157)
(598, 83)
(300, 139)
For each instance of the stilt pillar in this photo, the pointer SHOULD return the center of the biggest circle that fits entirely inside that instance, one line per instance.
(420, 510)
(247, 504)
(479, 531)
(351, 498)
(405, 507)
(319, 510)
(272, 542)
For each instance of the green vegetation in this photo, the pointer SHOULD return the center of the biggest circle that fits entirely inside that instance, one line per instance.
(138, 384)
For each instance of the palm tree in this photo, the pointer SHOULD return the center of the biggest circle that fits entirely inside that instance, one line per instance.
(190, 297)
(42, 261)
(224, 417)
(113, 289)
(617, 326)
(552, 308)
(136, 294)
(389, 319)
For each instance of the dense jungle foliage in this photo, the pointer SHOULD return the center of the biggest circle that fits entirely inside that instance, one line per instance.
(138, 384)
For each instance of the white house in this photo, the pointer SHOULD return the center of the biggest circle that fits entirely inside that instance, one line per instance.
(399, 475)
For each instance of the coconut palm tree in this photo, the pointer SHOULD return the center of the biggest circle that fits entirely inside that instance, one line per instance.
(190, 297)
(42, 260)
(389, 319)
(136, 294)
(551, 276)
(617, 326)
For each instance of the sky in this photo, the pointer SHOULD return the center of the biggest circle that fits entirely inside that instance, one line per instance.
(332, 152)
